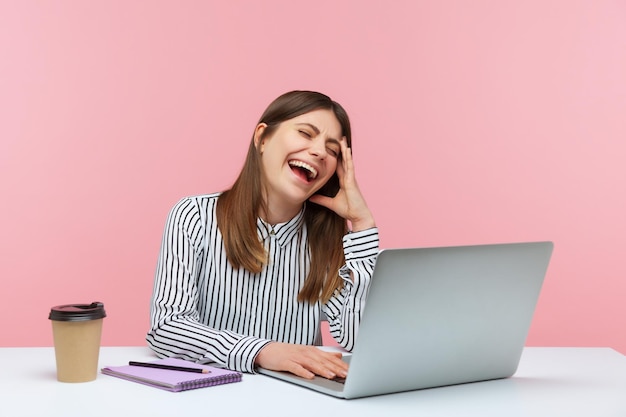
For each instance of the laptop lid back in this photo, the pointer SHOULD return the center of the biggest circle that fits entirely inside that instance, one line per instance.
(443, 316)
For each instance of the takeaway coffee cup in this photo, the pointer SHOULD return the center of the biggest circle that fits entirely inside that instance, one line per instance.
(76, 329)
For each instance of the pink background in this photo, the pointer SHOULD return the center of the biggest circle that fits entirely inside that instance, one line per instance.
(474, 122)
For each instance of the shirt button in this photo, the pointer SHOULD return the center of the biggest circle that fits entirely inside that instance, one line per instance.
(349, 241)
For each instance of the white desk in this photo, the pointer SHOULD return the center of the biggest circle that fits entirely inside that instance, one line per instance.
(550, 382)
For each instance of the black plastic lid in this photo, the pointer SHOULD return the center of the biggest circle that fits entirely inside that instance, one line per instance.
(78, 312)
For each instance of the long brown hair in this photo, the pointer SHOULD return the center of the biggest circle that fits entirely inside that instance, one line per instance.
(238, 208)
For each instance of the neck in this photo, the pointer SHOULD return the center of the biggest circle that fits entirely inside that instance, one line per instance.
(274, 215)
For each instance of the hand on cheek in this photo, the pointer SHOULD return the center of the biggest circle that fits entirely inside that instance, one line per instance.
(349, 203)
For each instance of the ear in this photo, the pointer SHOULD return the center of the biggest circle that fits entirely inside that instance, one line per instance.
(258, 134)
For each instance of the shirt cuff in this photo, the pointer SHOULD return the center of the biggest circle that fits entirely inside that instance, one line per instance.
(361, 245)
(245, 351)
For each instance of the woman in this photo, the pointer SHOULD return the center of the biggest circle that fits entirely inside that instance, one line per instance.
(245, 276)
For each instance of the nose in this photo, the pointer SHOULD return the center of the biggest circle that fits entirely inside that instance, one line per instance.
(318, 147)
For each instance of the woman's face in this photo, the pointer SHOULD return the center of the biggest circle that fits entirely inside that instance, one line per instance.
(300, 156)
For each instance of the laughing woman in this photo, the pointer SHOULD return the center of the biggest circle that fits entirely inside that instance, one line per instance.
(245, 276)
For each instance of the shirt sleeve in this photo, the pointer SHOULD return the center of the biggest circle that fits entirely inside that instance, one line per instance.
(345, 309)
(175, 329)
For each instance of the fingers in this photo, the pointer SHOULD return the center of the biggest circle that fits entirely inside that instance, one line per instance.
(346, 153)
(316, 362)
(346, 164)
(300, 371)
(330, 366)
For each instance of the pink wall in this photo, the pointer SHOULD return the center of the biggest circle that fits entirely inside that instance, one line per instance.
(474, 122)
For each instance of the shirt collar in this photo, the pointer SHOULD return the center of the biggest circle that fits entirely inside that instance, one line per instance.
(281, 232)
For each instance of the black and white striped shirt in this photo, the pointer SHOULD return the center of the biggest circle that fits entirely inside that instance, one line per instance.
(206, 311)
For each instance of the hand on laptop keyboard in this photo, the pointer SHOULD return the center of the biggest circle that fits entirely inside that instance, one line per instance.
(304, 361)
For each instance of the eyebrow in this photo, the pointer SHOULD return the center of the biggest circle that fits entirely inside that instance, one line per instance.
(317, 132)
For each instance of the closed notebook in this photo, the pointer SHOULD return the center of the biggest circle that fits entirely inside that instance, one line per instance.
(174, 381)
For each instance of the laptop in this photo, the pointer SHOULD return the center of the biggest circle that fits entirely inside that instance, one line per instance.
(441, 316)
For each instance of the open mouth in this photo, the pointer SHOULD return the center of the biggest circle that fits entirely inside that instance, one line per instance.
(303, 170)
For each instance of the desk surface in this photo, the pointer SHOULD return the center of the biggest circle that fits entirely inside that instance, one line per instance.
(549, 382)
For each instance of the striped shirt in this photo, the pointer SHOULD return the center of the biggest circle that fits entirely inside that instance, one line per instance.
(205, 310)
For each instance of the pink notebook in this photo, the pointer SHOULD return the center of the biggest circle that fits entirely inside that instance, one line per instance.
(174, 381)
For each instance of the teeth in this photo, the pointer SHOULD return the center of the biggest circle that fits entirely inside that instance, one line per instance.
(312, 171)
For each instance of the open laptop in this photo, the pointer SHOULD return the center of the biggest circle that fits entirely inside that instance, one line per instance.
(441, 316)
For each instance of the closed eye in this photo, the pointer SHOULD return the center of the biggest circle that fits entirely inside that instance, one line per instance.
(333, 147)
(305, 133)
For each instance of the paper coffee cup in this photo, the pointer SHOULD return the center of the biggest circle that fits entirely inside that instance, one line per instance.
(77, 329)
